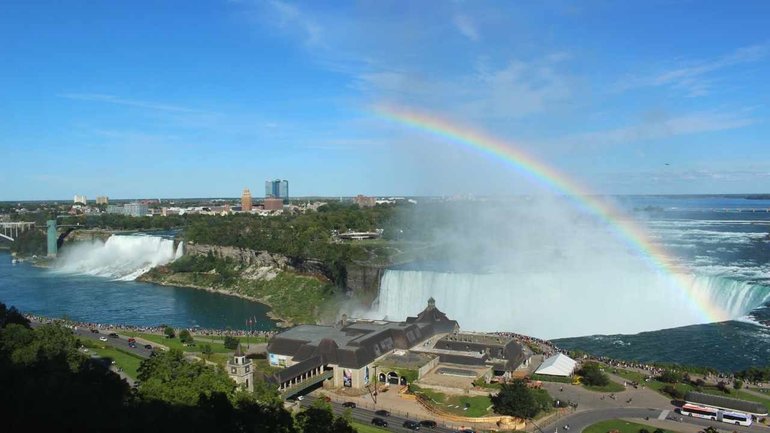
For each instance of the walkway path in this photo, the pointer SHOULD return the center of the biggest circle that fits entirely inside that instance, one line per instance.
(589, 400)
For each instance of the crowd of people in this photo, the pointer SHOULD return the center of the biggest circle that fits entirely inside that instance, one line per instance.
(152, 329)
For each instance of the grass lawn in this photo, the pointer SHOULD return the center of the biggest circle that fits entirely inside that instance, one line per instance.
(220, 338)
(455, 404)
(620, 425)
(546, 378)
(366, 428)
(658, 386)
(127, 361)
(739, 395)
(174, 343)
(610, 387)
(652, 384)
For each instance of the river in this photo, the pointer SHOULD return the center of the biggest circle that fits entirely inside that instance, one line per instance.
(101, 299)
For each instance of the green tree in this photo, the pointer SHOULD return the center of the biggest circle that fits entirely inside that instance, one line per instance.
(185, 337)
(318, 418)
(593, 375)
(169, 377)
(231, 343)
(207, 351)
(738, 384)
(12, 315)
(169, 332)
(673, 391)
(516, 399)
(670, 376)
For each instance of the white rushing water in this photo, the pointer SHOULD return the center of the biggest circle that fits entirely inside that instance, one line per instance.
(547, 304)
(122, 257)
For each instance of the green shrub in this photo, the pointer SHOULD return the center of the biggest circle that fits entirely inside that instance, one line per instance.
(231, 343)
(593, 375)
(673, 392)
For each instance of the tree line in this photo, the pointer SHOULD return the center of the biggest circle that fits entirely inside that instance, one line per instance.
(48, 385)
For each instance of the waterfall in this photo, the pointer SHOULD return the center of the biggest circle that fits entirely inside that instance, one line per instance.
(121, 257)
(553, 305)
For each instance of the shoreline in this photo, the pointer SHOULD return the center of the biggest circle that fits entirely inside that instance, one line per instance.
(281, 322)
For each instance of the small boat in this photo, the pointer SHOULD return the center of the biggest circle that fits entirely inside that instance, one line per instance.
(14, 261)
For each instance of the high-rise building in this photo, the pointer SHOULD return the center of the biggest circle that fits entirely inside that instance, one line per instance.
(136, 209)
(80, 199)
(277, 189)
(246, 200)
(102, 200)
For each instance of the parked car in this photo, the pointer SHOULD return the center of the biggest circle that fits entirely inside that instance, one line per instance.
(411, 425)
(148, 346)
(349, 404)
(95, 331)
(132, 340)
(102, 338)
(132, 345)
(428, 423)
(379, 422)
(113, 335)
(382, 412)
(467, 430)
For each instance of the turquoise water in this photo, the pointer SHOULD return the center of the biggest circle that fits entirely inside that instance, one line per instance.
(101, 300)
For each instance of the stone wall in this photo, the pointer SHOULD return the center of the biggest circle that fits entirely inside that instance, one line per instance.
(262, 259)
(364, 281)
(84, 235)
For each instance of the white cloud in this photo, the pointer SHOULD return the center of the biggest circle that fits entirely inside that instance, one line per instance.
(466, 27)
(657, 126)
(695, 78)
(290, 18)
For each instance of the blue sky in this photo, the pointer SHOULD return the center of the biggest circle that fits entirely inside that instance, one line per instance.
(204, 98)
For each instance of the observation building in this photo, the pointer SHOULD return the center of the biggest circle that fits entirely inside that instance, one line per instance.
(356, 352)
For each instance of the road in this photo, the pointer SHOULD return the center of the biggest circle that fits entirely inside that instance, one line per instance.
(119, 342)
(580, 420)
(364, 416)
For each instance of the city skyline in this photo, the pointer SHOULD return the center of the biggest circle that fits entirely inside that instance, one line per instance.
(642, 98)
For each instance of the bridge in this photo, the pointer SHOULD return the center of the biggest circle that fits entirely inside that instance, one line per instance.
(12, 230)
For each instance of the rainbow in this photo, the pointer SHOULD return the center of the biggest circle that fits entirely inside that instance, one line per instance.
(621, 226)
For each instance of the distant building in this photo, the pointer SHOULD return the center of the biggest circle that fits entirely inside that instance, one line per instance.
(240, 371)
(135, 209)
(80, 199)
(364, 201)
(273, 204)
(246, 200)
(115, 209)
(102, 200)
(277, 189)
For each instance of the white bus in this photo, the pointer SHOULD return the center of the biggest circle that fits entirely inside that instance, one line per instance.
(737, 418)
(699, 411)
(714, 414)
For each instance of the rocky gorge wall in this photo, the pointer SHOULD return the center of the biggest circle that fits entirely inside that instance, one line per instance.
(262, 259)
(361, 279)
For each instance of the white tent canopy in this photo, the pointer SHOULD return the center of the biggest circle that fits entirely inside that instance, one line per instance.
(557, 365)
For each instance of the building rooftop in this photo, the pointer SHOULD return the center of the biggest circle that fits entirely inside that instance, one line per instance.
(404, 359)
(356, 343)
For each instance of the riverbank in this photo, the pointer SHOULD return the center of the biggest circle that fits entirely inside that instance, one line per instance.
(281, 322)
(292, 298)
